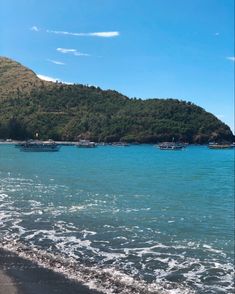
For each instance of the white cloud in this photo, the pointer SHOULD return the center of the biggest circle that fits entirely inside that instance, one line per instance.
(56, 62)
(232, 58)
(71, 51)
(95, 34)
(105, 34)
(216, 34)
(35, 29)
(66, 50)
(47, 78)
(51, 79)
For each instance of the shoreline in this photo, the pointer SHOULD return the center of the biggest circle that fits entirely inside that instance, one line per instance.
(73, 143)
(21, 276)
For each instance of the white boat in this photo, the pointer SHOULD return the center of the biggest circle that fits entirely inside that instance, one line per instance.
(219, 146)
(120, 144)
(86, 144)
(171, 146)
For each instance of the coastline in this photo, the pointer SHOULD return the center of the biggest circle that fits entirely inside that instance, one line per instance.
(13, 142)
(21, 276)
(73, 143)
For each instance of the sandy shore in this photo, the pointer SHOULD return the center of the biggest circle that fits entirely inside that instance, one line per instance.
(20, 276)
(7, 284)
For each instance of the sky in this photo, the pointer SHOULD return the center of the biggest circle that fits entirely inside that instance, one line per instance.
(180, 49)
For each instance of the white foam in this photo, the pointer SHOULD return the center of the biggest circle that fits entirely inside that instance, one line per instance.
(76, 208)
(3, 196)
(108, 280)
(69, 246)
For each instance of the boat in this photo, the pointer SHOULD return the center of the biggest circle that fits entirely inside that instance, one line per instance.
(220, 146)
(39, 146)
(120, 144)
(171, 146)
(86, 144)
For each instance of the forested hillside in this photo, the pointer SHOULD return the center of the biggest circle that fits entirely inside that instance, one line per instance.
(69, 112)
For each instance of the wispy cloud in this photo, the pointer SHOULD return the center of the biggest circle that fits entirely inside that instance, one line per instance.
(216, 34)
(56, 62)
(108, 34)
(94, 34)
(66, 50)
(104, 34)
(71, 51)
(232, 58)
(35, 29)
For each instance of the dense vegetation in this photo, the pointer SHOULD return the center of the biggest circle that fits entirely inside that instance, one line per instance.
(69, 112)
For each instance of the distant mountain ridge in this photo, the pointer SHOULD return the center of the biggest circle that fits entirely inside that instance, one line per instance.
(59, 111)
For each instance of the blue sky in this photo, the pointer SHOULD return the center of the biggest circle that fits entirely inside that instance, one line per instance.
(143, 48)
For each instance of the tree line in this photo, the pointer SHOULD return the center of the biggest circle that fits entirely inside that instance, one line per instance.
(70, 112)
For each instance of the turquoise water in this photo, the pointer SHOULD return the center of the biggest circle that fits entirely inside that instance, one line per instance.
(158, 220)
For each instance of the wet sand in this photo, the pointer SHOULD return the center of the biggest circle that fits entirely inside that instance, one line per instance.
(20, 276)
(6, 284)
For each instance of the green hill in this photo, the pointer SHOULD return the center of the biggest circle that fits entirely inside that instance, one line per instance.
(68, 112)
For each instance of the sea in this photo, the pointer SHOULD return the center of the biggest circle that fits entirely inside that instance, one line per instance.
(123, 219)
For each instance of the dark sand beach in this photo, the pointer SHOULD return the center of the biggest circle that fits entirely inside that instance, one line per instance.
(20, 276)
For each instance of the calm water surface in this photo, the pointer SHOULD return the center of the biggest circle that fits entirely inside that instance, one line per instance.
(156, 220)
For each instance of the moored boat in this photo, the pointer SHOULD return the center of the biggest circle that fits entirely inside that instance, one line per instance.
(171, 146)
(39, 146)
(120, 144)
(86, 144)
(220, 146)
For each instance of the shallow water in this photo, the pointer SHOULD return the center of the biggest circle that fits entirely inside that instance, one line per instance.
(126, 219)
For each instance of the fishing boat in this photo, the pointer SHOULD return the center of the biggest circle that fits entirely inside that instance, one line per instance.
(170, 146)
(86, 144)
(120, 144)
(219, 146)
(39, 146)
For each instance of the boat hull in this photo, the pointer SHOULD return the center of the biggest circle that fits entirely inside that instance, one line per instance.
(39, 147)
(171, 148)
(218, 147)
(29, 149)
